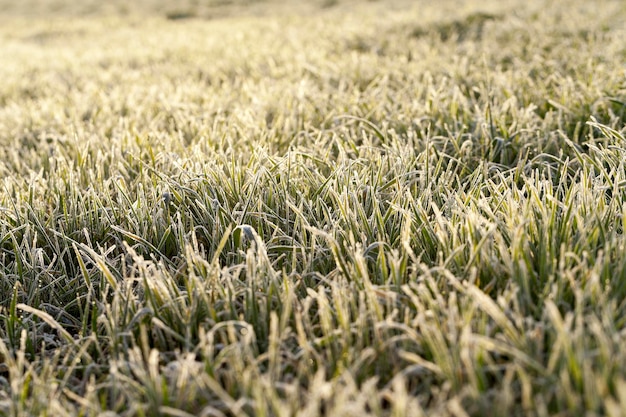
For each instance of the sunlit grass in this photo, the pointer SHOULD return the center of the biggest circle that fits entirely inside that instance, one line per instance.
(332, 208)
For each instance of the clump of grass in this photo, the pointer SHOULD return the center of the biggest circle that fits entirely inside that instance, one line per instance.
(180, 14)
(318, 214)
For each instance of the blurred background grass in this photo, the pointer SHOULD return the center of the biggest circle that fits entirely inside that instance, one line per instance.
(205, 9)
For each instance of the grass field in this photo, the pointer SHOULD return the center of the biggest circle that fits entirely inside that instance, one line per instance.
(326, 207)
